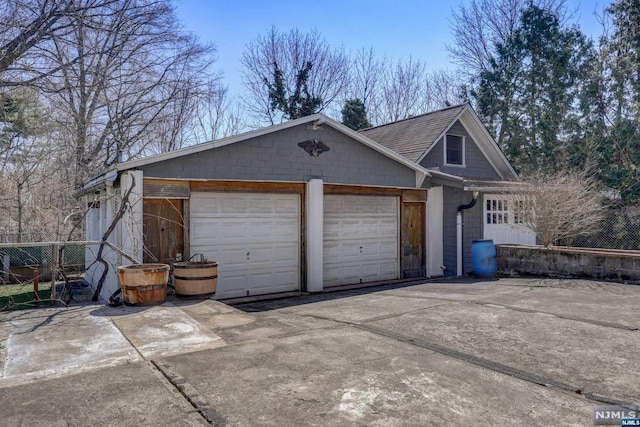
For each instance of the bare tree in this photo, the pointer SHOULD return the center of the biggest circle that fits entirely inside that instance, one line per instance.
(392, 92)
(366, 80)
(403, 91)
(480, 25)
(31, 188)
(290, 54)
(559, 207)
(442, 88)
(216, 116)
(121, 75)
(28, 25)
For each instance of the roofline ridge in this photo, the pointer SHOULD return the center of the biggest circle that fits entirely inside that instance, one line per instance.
(463, 104)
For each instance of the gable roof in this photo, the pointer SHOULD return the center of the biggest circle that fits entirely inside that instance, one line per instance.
(415, 137)
(312, 120)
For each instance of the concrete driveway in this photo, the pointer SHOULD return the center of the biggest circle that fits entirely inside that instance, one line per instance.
(503, 352)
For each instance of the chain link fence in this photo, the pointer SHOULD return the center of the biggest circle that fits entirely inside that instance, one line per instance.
(619, 230)
(37, 270)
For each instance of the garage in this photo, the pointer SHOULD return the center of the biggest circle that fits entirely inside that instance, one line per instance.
(360, 239)
(254, 236)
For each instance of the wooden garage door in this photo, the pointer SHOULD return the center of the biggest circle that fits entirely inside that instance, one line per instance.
(255, 237)
(360, 239)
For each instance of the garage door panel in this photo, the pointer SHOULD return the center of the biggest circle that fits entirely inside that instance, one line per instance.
(232, 258)
(371, 228)
(372, 250)
(360, 234)
(342, 272)
(340, 251)
(331, 251)
(254, 237)
(389, 248)
(237, 229)
(389, 228)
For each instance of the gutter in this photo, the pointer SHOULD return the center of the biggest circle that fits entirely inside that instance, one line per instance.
(459, 225)
(98, 183)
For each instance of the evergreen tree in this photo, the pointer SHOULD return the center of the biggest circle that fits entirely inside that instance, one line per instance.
(622, 49)
(614, 133)
(354, 115)
(294, 105)
(527, 97)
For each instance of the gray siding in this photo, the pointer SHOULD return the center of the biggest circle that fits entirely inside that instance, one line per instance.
(277, 157)
(477, 166)
(472, 228)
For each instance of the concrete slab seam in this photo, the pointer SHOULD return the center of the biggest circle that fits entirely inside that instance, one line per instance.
(182, 386)
(127, 338)
(493, 366)
(523, 310)
(190, 394)
(483, 363)
(559, 316)
(392, 316)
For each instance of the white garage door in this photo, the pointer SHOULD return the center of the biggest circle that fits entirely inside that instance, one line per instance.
(360, 239)
(254, 237)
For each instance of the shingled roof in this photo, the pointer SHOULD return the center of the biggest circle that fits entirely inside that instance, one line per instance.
(413, 136)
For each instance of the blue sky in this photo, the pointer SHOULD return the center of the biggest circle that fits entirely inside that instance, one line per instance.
(395, 29)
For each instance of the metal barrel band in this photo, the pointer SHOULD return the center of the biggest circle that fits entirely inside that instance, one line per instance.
(143, 288)
(196, 278)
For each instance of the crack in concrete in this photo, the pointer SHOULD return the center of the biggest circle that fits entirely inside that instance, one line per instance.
(559, 316)
(392, 316)
(525, 310)
(189, 392)
(491, 365)
(482, 362)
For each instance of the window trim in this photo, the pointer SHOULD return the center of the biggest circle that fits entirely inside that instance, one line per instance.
(496, 211)
(499, 209)
(463, 149)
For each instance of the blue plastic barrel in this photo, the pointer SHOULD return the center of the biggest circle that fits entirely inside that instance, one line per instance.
(483, 258)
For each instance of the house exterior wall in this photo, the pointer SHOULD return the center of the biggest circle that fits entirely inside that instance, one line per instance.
(476, 165)
(277, 157)
(472, 228)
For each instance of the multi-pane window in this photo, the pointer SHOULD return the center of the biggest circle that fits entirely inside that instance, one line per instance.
(520, 208)
(497, 211)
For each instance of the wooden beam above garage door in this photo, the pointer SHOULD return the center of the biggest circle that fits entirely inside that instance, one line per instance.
(247, 186)
(360, 190)
(165, 189)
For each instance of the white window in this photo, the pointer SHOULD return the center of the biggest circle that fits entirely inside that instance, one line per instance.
(497, 211)
(502, 223)
(454, 150)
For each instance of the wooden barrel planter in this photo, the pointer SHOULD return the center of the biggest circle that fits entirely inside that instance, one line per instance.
(195, 278)
(144, 284)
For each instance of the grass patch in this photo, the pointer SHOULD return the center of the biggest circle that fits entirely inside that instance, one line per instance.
(20, 297)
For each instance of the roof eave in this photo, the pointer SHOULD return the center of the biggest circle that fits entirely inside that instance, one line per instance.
(377, 147)
(496, 155)
(98, 183)
(443, 133)
(318, 119)
(194, 149)
(441, 178)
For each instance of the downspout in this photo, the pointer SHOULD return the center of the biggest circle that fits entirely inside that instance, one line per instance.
(471, 204)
